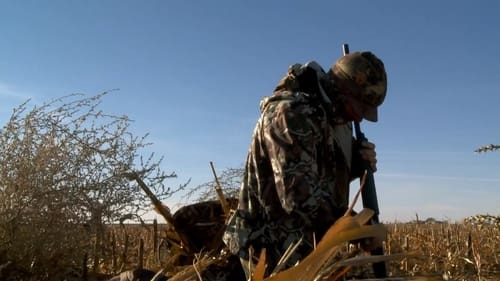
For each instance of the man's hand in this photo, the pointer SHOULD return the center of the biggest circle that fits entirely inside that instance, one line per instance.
(368, 154)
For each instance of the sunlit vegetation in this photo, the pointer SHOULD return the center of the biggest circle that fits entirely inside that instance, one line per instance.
(66, 196)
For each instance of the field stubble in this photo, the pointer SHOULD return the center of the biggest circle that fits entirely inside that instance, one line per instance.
(454, 251)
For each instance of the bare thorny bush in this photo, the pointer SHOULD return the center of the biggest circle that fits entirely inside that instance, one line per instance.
(230, 181)
(61, 180)
(489, 147)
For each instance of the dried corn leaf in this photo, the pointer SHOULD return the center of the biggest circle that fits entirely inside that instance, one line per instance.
(260, 268)
(364, 216)
(345, 229)
(430, 278)
(191, 272)
(361, 260)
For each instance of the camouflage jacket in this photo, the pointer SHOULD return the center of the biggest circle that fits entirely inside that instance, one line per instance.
(296, 180)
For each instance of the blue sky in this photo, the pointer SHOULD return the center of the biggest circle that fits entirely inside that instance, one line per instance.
(192, 73)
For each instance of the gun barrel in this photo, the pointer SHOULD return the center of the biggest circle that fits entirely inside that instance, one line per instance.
(369, 194)
(345, 49)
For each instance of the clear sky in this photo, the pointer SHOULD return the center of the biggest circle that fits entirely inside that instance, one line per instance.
(192, 73)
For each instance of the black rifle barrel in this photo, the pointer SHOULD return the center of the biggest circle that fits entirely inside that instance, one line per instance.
(345, 49)
(369, 193)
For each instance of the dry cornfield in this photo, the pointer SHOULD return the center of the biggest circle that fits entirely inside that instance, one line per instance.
(457, 251)
(454, 251)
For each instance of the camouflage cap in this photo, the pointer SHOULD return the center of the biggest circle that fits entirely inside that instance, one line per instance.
(363, 74)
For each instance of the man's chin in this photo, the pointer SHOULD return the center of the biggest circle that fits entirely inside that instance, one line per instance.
(357, 118)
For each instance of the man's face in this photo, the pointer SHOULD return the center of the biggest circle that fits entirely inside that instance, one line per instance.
(353, 109)
(356, 110)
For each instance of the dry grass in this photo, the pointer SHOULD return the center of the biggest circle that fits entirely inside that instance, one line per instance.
(455, 251)
(458, 251)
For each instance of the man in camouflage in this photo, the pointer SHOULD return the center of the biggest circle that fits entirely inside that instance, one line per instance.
(303, 156)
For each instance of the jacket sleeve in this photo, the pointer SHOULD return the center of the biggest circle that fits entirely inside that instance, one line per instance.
(291, 138)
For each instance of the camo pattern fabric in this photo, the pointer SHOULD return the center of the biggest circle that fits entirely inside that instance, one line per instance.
(296, 182)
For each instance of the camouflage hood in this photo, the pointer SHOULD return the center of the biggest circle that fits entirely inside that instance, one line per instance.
(283, 95)
(308, 78)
